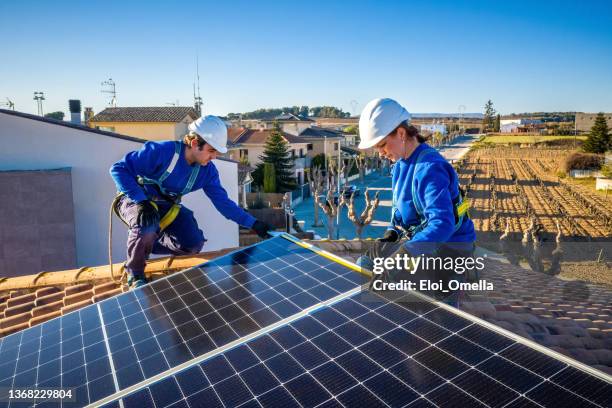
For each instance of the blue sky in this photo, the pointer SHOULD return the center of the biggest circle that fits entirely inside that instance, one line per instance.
(432, 56)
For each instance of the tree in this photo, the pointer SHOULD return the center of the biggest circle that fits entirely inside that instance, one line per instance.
(351, 130)
(269, 183)
(276, 152)
(497, 125)
(489, 117)
(59, 115)
(598, 140)
(366, 217)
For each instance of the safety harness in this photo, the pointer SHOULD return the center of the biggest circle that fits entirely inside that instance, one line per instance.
(170, 196)
(460, 206)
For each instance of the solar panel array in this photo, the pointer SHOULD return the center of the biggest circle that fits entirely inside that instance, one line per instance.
(249, 329)
(377, 353)
(106, 347)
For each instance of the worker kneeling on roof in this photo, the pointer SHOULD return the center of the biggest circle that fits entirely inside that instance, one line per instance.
(151, 182)
(427, 206)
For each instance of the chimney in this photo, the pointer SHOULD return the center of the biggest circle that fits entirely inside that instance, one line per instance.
(88, 115)
(75, 111)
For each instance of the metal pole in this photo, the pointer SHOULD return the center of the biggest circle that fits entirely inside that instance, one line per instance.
(325, 162)
(339, 175)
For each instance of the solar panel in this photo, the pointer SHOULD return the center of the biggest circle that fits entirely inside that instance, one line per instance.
(362, 351)
(113, 345)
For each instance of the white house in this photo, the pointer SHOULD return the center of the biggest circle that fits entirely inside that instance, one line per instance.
(434, 128)
(29, 142)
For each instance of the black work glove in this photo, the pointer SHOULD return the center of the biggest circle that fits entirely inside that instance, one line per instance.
(390, 236)
(147, 214)
(261, 228)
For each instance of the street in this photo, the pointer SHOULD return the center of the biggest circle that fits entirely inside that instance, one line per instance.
(374, 182)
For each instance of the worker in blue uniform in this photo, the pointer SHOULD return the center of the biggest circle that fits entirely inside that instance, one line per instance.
(151, 182)
(427, 206)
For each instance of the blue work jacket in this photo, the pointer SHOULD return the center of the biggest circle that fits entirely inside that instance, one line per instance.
(154, 159)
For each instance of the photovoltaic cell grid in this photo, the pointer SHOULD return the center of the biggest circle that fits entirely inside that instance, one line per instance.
(377, 353)
(172, 320)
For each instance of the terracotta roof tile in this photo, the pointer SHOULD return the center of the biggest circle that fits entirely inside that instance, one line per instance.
(48, 299)
(18, 309)
(105, 287)
(19, 300)
(7, 322)
(106, 295)
(14, 328)
(43, 318)
(75, 306)
(145, 114)
(77, 297)
(47, 308)
(71, 290)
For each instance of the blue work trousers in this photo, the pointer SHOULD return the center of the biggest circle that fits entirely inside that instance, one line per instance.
(181, 237)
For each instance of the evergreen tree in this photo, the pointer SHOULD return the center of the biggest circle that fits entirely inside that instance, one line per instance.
(269, 183)
(276, 151)
(598, 140)
(489, 117)
(497, 126)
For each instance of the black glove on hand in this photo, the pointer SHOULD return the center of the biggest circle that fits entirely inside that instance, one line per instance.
(390, 236)
(147, 214)
(261, 228)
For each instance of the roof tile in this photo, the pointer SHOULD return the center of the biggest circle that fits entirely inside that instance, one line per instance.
(145, 114)
(47, 308)
(71, 290)
(43, 318)
(19, 300)
(13, 329)
(15, 310)
(48, 299)
(105, 287)
(14, 320)
(74, 306)
(77, 297)
(106, 295)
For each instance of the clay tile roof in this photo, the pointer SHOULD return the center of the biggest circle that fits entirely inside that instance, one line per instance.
(145, 114)
(258, 136)
(26, 301)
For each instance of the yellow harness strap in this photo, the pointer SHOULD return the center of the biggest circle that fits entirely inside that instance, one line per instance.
(169, 217)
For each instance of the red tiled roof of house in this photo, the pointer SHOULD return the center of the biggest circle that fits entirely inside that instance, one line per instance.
(239, 135)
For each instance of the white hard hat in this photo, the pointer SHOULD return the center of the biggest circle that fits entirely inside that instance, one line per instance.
(379, 118)
(213, 130)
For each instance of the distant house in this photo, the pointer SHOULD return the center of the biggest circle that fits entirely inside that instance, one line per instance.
(322, 140)
(150, 123)
(585, 121)
(248, 144)
(434, 128)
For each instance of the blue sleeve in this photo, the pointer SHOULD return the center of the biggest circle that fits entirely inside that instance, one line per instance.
(433, 190)
(228, 208)
(144, 162)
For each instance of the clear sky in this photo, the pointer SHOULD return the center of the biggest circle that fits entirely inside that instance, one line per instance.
(432, 56)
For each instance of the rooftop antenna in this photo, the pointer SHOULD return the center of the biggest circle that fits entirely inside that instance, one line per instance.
(9, 103)
(176, 103)
(39, 97)
(111, 89)
(197, 99)
(461, 109)
(354, 105)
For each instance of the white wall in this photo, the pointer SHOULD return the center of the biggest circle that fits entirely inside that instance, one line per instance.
(27, 144)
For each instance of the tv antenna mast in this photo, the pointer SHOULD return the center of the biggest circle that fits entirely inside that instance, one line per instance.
(197, 99)
(461, 109)
(9, 103)
(354, 105)
(110, 89)
(39, 97)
